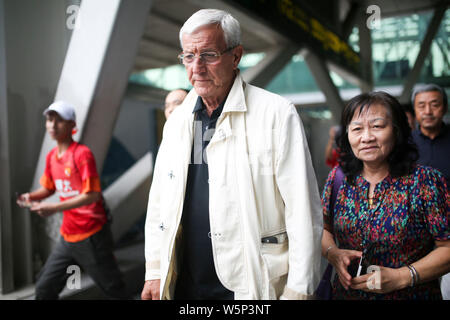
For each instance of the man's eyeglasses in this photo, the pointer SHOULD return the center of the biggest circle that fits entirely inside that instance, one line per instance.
(207, 57)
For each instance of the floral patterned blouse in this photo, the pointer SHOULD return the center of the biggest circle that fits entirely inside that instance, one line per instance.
(408, 215)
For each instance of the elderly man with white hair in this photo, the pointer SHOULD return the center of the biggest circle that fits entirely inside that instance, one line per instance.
(234, 210)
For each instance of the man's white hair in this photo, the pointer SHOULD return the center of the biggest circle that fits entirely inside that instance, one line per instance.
(230, 26)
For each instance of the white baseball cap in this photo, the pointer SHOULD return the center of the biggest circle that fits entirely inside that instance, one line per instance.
(64, 109)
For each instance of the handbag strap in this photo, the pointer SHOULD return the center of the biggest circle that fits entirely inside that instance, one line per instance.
(338, 180)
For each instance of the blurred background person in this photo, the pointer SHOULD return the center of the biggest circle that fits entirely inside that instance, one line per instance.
(433, 135)
(331, 150)
(433, 138)
(410, 115)
(388, 209)
(173, 99)
(86, 238)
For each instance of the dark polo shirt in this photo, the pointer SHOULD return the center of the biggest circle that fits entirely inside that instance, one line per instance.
(198, 278)
(434, 152)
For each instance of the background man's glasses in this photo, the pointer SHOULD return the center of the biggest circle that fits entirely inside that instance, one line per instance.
(206, 57)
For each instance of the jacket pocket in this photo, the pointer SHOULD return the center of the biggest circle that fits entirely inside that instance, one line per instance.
(276, 258)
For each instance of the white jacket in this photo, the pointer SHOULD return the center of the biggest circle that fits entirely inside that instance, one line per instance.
(261, 183)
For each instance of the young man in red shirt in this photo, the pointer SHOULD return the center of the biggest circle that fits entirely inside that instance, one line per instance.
(86, 240)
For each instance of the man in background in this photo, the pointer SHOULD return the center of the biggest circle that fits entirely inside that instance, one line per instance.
(433, 139)
(433, 135)
(173, 99)
(86, 238)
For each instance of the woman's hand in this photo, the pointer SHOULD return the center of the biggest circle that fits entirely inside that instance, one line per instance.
(341, 259)
(382, 280)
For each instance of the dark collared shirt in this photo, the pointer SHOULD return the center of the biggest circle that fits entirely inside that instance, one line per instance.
(434, 152)
(198, 278)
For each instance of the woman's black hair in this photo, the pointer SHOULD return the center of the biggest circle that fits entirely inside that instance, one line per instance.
(404, 153)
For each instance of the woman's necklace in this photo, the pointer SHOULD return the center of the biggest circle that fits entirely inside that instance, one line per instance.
(371, 202)
(371, 194)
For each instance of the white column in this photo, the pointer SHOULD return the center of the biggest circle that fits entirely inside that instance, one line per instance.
(95, 74)
(127, 197)
(94, 77)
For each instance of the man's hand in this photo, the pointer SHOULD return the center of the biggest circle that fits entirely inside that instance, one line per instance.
(44, 209)
(24, 200)
(151, 290)
(31, 199)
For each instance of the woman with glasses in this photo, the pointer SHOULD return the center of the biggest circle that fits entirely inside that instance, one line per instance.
(387, 232)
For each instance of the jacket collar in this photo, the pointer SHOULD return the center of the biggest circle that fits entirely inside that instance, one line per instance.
(236, 97)
(235, 101)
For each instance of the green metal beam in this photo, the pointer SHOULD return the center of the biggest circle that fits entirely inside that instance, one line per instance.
(305, 28)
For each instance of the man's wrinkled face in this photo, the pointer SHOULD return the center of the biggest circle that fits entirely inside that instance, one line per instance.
(430, 109)
(210, 80)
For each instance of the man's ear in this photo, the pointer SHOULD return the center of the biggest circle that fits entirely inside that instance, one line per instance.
(72, 124)
(237, 55)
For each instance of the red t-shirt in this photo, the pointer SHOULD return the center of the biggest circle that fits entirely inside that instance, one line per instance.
(73, 174)
(333, 162)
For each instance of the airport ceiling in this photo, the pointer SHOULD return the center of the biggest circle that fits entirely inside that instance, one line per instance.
(160, 46)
